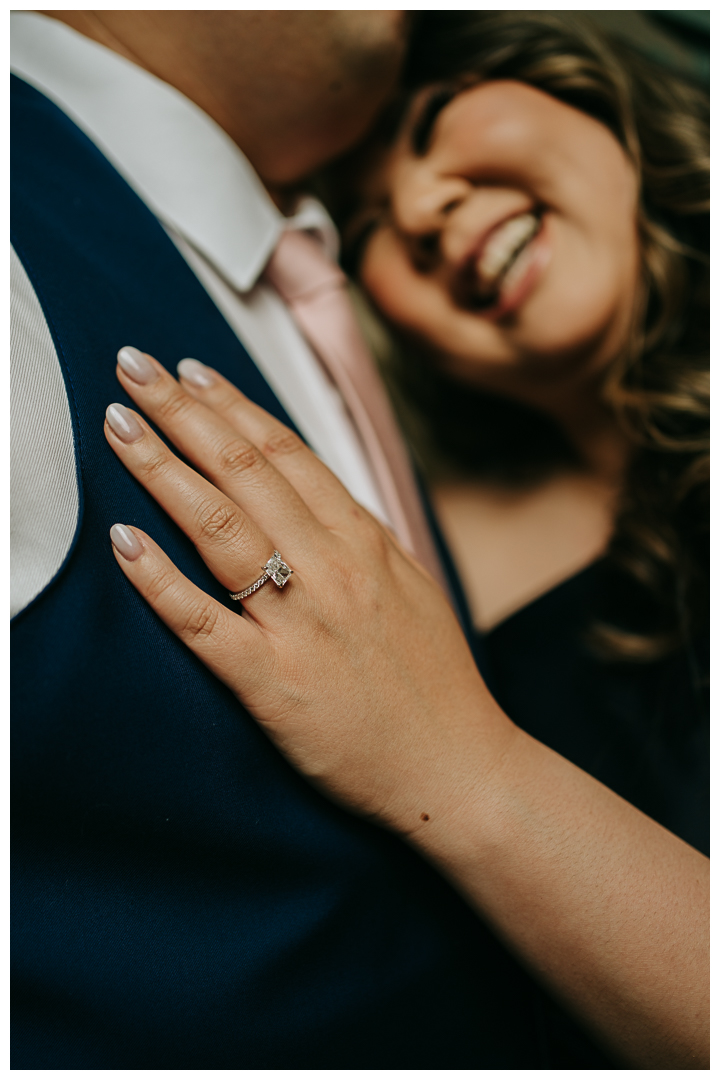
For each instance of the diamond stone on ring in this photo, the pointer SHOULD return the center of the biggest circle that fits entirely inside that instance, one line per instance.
(274, 569)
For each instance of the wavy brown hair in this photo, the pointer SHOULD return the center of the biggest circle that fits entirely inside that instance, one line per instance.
(659, 384)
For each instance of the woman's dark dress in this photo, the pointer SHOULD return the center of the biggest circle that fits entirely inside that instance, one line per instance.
(641, 729)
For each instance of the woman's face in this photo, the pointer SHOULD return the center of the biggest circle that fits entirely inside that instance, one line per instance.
(503, 232)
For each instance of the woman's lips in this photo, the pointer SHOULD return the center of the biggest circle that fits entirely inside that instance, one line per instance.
(493, 291)
(523, 275)
(502, 246)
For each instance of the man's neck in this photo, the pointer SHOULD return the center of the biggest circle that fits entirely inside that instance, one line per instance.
(292, 89)
(94, 27)
(89, 24)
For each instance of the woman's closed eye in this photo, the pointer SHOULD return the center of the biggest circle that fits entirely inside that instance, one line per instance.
(356, 237)
(423, 126)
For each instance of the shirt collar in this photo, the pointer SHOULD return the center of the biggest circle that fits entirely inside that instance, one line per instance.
(177, 159)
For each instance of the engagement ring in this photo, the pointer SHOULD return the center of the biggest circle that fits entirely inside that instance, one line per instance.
(274, 570)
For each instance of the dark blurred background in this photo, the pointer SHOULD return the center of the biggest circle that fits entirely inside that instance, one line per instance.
(678, 39)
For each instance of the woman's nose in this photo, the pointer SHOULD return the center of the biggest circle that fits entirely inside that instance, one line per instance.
(423, 201)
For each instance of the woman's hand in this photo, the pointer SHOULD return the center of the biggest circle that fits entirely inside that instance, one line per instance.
(357, 669)
(360, 674)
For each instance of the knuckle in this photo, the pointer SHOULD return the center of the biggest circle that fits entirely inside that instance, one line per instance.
(161, 583)
(156, 463)
(239, 458)
(224, 398)
(222, 522)
(199, 622)
(174, 406)
(373, 538)
(282, 443)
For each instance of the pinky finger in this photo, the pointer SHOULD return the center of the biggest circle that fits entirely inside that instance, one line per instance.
(222, 640)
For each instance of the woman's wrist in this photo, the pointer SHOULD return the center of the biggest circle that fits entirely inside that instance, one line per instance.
(448, 792)
(603, 903)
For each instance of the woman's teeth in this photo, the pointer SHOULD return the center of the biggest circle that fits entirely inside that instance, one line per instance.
(502, 248)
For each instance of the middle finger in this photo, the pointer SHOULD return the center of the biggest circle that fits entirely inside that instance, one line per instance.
(233, 463)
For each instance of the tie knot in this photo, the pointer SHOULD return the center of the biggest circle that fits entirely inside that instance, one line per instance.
(299, 267)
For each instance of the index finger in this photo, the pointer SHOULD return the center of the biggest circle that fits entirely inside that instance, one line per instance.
(249, 455)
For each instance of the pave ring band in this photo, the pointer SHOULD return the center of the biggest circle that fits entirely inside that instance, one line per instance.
(274, 570)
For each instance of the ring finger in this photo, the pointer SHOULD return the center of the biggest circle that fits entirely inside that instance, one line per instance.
(234, 548)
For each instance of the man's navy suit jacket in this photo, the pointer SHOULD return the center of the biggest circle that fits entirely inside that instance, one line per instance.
(181, 898)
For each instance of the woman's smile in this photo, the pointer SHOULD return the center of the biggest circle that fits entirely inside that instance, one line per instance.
(501, 270)
(504, 234)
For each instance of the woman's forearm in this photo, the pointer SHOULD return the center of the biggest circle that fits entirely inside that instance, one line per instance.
(605, 906)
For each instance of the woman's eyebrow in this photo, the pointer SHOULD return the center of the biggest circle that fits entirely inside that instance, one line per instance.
(424, 123)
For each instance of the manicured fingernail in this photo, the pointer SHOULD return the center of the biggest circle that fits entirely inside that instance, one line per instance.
(136, 365)
(126, 542)
(196, 373)
(123, 423)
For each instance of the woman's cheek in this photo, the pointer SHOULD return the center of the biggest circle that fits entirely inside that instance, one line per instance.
(420, 305)
(391, 280)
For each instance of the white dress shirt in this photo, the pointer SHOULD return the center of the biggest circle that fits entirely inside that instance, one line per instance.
(221, 219)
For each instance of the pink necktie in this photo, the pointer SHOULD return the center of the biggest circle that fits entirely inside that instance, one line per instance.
(315, 290)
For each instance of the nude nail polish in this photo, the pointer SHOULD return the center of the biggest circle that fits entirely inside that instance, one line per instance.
(126, 542)
(123, 423)
(136, 365)
(196, 373)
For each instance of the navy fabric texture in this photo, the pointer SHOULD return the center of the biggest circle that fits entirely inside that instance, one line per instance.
(181, 898)
(645, 727)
